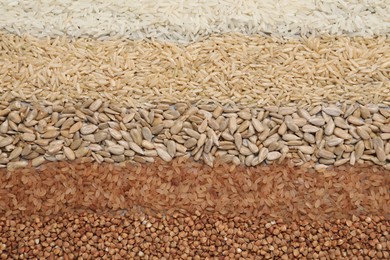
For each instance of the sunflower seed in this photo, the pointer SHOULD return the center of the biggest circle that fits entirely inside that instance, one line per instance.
(332, 110)
(191, 142)
(164, 154)
(135, 147)
(273, 156)
(16, 165)
(136, 136)
(342, 133)
(15, 153)
(176, 128)
(334, 141)
(292, 126)
(306, 149)
(317, 121)
(69, 153)
(95, 105)
(290, 137)
(88, 129)
(171, 148)
(201, 140)
(6, 141)
(55, 146)
(192, 133)
(310, 129)
(238, 140)
(116, 149)
(359, 149)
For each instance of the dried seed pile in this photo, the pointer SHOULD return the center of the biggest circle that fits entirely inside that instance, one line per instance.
(180, 236)
(324, 135)
(252, 71)
(278, 191)
(221, 140)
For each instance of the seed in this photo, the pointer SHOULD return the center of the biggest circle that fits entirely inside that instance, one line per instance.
(76, 127)
(213, 136)
(147, 134)
(37, 161)
(96, 105)
(310, 129)
(326, 154)
(245, 115)
(15, 153)
(116, 149)
(100, 136)
(341, 123)
(136, 135)
(218, 111)
(192, 133)
(176, 128)
(171, 148)
(282, 129)
(69, 153)
(317, 121)
(271, 156)
(359, 149)
(290, 137)
(253, 148)
(135, 147)
(355, 121)
(208, 159)
(238, 140)
(6, 141)
(380, 153)
(81, 152)
(14, 117)
(244, 125)
(303, 113)
(4, 112)
(309, 138)
(51, 134)
(256, 124)
(342, 133)
(334, 141)
(203, 126)
(306, 149)
(164, 154)
(286, 110)
(55, 146)
(385, 128)
(28, 137)
(362, 133)
(190, 143)
(232, 125)
(332, 110)
(146, 144)
(4, 127)
(16, 165)
(292, 126)
(201, 140)
(88, 129)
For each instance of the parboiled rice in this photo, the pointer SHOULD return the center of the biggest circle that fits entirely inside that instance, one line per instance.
(185, 21)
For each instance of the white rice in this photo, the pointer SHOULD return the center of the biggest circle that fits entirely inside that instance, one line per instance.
(186, 20)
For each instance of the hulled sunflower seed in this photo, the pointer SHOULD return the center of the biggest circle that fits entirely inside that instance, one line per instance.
(164, 154)
(271, 156)
(88, 129)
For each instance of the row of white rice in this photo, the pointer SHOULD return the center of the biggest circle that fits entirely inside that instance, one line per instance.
(188, 20)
